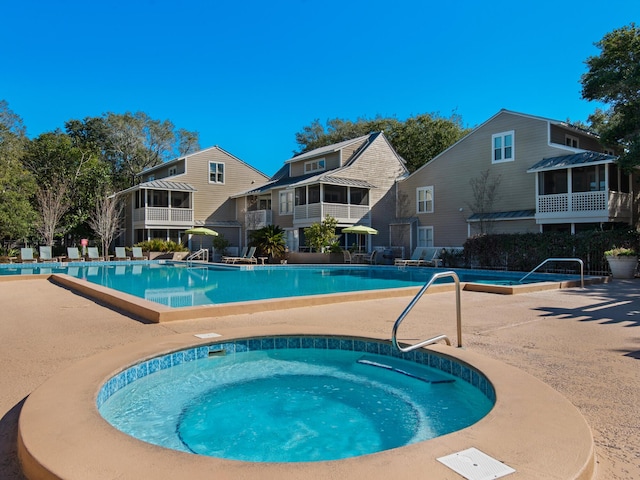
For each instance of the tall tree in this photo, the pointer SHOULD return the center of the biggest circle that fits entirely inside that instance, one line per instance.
(132, 142)
(418, 139)
(105, 219)
(52, 204)
(485, 193)
(614, 79)
(17, 185)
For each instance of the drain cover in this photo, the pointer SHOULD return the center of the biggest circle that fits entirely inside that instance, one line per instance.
(472, 464)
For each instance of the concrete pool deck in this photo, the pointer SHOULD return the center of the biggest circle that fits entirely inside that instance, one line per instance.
(580, 342)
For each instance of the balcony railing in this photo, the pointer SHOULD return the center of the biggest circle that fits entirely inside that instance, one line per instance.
(163, 217)
(316, 212)
(256, 219)
(601, 204)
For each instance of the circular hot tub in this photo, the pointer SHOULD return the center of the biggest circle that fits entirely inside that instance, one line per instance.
(62, 434)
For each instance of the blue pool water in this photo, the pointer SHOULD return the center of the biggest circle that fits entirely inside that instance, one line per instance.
(294, 404)
(177, 285)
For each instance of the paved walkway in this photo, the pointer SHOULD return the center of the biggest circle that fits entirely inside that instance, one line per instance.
(584, 343)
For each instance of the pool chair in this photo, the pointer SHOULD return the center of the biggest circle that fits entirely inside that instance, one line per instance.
(371, 259)
(249, 257)
(46, 255)
(231, 259)
(416, 259)
(136, 254)
(26, 255)
(73, 255)
(347, 256)
(93, 255)
(121, 254)
(432, 257)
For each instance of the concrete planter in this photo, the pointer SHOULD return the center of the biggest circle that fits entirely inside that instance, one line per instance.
(314, 258)
(622, 267)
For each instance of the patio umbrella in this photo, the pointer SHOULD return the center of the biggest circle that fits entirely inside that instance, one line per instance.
(201, 231)
(360, 230)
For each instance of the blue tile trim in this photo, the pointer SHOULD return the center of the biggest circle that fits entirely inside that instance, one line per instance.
(463, 372)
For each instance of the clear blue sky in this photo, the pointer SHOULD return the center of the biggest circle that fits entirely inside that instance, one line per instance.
(247, 75)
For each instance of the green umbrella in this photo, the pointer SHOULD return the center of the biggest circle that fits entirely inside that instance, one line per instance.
(360, 230)
(201, 231)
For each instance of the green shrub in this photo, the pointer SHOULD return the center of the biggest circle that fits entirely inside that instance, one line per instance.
(157, 245)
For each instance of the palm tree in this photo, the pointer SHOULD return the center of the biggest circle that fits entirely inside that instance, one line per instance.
(269, 241)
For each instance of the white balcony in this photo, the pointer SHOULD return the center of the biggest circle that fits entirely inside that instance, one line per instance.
(601, 206)
(160, 217)
(257, 219)
(316, 212)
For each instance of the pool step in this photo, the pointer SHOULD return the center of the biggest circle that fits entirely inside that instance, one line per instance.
(405, 368)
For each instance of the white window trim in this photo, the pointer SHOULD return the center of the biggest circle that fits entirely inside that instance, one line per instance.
(224, 172)
(571, 139)
(513, 147)
(289, 202)
(425, 189)
(317, 165)
(426, 229)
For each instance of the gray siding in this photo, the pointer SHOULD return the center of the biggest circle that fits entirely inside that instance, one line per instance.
(452, 171)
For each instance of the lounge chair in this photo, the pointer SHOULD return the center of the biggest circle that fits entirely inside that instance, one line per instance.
(230, 259)
(136, 254)
(347, 256)
(93, 255)
(73, 255)
(26, 255)
(416, 259)
(46, 255)
(432, 257)
(121, 254)
(249, 257)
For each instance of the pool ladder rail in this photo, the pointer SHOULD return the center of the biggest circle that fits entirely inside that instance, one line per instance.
(202, 255)
(578, 260)
(415, 300)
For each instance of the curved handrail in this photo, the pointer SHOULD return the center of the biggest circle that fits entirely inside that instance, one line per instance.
(406, 311)
(560, 260)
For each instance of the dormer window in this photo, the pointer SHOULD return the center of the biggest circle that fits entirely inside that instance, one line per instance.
(173, 171)
(314, 165)
(571, 141)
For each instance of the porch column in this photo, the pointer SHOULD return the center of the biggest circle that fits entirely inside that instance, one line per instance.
(570, 189)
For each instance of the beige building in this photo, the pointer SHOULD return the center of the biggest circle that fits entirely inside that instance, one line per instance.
(353, 181)
(513, 173)
(193, 190)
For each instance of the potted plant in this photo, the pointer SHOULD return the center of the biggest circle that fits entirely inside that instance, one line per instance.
(622, 262)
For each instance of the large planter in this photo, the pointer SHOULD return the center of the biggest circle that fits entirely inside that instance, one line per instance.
(622, 266)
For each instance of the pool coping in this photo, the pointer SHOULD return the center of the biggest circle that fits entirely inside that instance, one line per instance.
(532, 428)
(157, 313)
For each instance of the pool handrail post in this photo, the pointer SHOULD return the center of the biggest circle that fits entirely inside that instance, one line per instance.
(413, 302)
(560, 260)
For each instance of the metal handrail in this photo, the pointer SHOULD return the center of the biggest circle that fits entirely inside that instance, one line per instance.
(202, 254)
(406, 311)
(560, 260)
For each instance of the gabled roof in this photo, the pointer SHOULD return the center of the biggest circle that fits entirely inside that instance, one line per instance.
(575, 159)
(283, 179)
(327, 149)
(161, 185)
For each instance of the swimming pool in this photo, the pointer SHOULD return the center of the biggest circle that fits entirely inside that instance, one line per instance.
(294, 399)
(179, 285)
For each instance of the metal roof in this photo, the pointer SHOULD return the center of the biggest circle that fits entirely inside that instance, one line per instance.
(326, 149)
(330, 179)
(513, 215)
(573, 160)
(161, 185)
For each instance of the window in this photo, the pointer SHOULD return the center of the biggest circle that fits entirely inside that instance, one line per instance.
(173, 171)
(286, 203)
(425, 236)
(424, 196)
(571, 141)
(503, 145)
(216, 172)
(314, 165)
